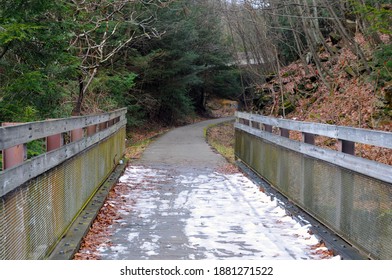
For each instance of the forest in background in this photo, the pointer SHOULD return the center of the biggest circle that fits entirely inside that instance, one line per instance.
(164, 59)
(75, 57)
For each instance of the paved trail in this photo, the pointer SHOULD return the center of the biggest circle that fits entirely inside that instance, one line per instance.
(180, 207)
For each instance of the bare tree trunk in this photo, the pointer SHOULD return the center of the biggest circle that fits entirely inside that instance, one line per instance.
(238, 58)
(297, 43)
(311, 43)
(365, 26)
(313, 23)
(78, 106)
(280, 83)
(103, 38)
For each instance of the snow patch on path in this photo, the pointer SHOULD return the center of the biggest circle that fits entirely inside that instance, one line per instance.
(232, 219)
(227, 216)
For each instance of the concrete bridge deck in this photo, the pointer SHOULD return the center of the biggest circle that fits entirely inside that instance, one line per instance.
(179, 206)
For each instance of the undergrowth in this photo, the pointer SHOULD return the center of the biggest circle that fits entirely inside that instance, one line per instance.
(221, 138)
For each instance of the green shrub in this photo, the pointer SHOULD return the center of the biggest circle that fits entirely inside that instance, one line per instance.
(383, 64)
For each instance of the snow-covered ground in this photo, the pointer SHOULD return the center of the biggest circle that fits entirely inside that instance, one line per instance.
(204, 216)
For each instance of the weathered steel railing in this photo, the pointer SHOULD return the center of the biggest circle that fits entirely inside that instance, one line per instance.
(40, 197)
(350, 194)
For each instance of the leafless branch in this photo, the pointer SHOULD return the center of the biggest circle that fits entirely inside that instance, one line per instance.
(105, 37)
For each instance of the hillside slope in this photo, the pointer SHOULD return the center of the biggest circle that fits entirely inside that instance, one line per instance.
(353, 97)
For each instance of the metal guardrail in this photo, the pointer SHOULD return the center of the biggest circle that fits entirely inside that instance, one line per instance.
(40, 197)
(349, 194)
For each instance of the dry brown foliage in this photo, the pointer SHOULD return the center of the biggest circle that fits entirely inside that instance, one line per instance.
(99, 234)
(351, 100)
(321, 250)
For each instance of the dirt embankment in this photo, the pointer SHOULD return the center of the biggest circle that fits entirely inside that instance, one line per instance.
(349, 96)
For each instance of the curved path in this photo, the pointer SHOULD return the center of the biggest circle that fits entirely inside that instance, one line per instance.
(178, 206)
(185, 148)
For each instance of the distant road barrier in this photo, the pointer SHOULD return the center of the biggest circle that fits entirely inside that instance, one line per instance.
(40, 197)
(349, 194)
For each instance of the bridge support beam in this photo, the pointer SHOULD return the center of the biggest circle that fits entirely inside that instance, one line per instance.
(14, 155)
(284, 132)
(54, 142)
(267, 128)
(346, 147)
(77, 134)
(308, 138)
(103, 126)
(91, 130)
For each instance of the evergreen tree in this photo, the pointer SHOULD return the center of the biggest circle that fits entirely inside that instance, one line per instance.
(189, 61)
(34, 62)
(158, 58)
